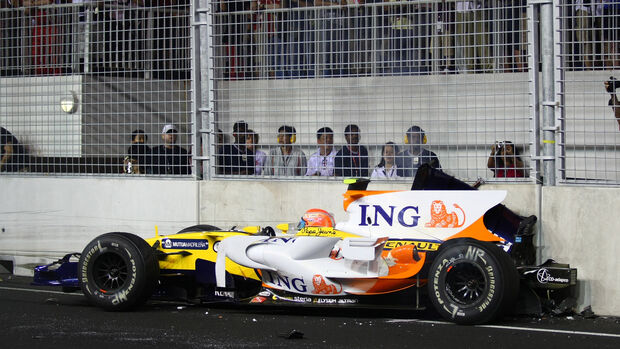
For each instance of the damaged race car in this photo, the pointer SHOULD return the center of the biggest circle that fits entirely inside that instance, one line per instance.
(458, 246)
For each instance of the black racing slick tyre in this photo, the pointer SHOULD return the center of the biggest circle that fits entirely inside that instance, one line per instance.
(199, 228)
(118, 271)
(472, 282)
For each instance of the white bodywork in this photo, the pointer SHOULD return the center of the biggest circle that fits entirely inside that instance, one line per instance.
(319, 265)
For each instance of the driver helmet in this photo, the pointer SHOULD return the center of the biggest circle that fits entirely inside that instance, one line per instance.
(316, 217)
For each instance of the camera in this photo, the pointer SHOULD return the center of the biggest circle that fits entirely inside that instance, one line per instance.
(128, 165)
(498, 147)
(612, 84)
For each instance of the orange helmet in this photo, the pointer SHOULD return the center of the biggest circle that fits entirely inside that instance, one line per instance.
(316, 217)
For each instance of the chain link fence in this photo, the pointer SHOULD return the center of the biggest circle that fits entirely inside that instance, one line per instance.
(437, 82)
(89, 88)
(588, 58)
(305, 90)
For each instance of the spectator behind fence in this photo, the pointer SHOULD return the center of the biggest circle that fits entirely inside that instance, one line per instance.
(611, 86)
(299, 39)
(287, 159)
(471, 36)
(352, 159)
(504, 161)
(332, 38)
(45, 39)
(321, 163)
(234, 158)
(138, 154)
(584, 33)
(611, 33)
(236, 30)
(510, 24)
(13, 156)
(387, 166)
(400, 55)
(266, 37)
(414, 154)
(251, 141)
(170, 158)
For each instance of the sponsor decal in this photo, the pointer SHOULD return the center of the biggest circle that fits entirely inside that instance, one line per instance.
(258, 299)
(421, 245)
(280, 240)
(322, 287)
(227, 294)
(284, 282)
(441, 218)
(474, 253)
(489, 297)
(121, 296)
(543, 276)
(347, 301)
(321, 300)
(185, 244)
(406, 216)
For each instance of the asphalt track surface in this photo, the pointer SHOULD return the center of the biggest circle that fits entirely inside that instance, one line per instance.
(33, 317)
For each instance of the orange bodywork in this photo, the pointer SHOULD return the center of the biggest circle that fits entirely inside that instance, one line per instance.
(352, 195)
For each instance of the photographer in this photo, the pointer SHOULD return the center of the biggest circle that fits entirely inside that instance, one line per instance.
(504, 161)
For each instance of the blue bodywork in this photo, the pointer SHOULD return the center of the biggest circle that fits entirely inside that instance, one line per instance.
(62, 272)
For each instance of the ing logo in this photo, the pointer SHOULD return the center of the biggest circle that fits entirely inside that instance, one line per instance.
(322, 287)
(441, 218)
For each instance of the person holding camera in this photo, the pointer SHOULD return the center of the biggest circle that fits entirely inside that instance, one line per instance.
(611, 85)
(504, 161)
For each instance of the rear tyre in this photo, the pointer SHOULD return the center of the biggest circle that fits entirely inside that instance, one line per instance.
(472, 282)
(118, 271)
(199, 228)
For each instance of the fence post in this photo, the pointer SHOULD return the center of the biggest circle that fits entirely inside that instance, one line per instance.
(549, 104)
(201, 47)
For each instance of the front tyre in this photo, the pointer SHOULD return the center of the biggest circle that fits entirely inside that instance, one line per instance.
(472, 282)
(118, 271)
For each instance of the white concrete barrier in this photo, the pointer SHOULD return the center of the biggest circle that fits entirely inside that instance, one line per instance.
(43, 218)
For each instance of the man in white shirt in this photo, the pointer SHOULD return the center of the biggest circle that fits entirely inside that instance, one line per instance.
(321, 163)
(286, 160)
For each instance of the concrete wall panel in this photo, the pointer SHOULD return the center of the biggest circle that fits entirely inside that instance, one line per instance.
(43, 218)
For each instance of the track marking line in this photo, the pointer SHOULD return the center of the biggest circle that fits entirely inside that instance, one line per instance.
(39, 291)
(500, 327)
(552, 331)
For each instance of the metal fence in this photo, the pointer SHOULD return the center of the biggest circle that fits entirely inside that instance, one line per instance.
(272, 40)
(455, 84)
(587, 47)
(88, 88)
(453, 73)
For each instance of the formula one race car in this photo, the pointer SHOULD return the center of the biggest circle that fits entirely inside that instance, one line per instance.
(459, 244)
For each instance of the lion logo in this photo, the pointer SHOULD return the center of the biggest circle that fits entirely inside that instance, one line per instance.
(440, 218)
(321, 287)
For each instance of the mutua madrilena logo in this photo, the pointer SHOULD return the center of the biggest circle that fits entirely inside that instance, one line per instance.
(185, 244)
